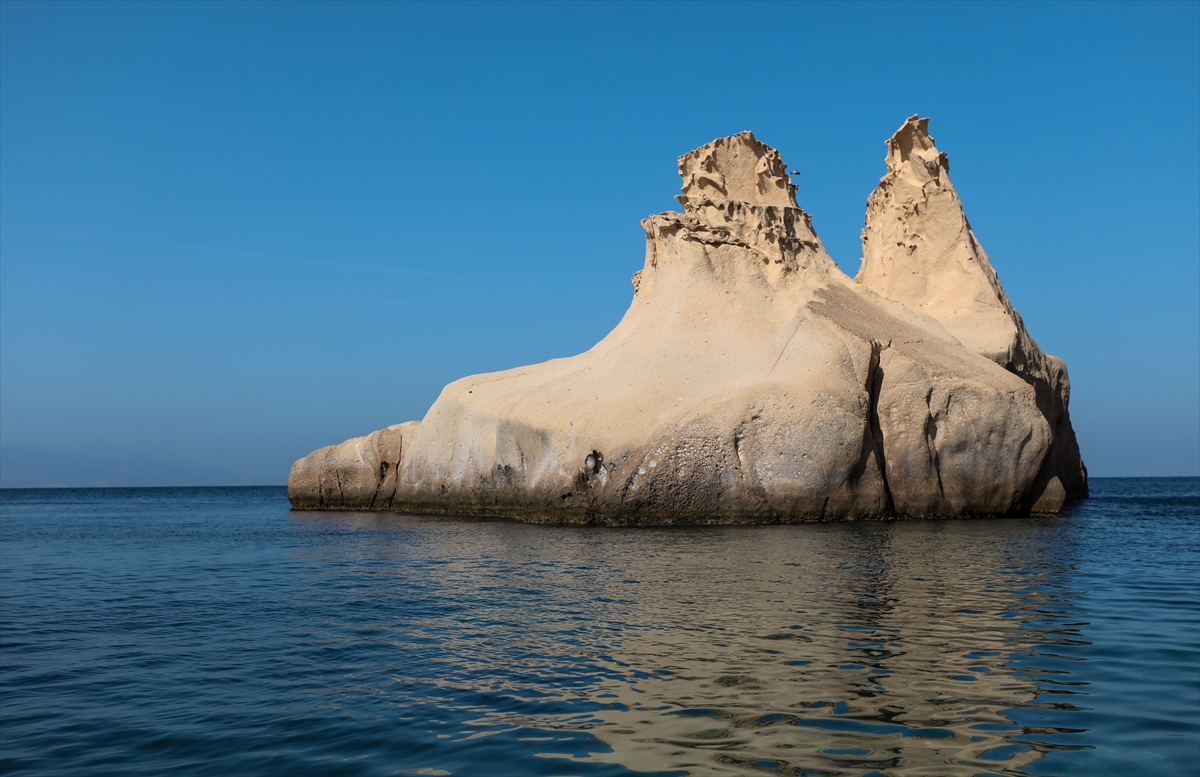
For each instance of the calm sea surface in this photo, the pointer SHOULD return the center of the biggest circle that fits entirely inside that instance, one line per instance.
(213, 632)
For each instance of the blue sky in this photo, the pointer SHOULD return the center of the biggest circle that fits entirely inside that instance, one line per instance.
(230, 234)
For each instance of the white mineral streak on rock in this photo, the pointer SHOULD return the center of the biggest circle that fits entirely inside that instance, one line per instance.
(750, 380)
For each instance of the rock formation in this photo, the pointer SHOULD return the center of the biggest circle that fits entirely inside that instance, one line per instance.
(919, 249)
(752, 381)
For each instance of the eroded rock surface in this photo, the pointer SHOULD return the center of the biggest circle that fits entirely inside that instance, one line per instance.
(752, 381)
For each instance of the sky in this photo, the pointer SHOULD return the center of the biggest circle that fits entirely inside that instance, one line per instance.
(233, 233)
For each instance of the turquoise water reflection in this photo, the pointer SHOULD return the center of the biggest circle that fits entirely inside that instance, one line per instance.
(207, 631)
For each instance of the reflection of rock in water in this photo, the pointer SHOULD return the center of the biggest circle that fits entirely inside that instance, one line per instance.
(789, 659)
(843, 648)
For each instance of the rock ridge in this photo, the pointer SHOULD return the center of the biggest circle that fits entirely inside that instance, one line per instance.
(752, 381)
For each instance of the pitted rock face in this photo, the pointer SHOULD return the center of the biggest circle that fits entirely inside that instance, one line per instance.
(911, 150)
(752, 381)
(736, 193)
(739, 168)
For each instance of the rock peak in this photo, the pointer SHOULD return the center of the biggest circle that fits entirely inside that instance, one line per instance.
(912, 147)
(739, 167)
(737, 195)
(919, 249)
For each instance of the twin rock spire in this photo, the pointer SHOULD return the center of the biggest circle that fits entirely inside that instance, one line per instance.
(752, 381)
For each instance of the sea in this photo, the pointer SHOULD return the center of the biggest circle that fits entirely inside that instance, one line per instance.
(212, 631)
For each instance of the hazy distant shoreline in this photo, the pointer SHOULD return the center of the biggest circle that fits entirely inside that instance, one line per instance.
(22, 467)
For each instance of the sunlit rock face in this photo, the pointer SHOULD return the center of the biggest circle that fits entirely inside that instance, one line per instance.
(752, 381)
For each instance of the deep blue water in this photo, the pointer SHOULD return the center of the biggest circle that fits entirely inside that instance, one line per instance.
(213, 632)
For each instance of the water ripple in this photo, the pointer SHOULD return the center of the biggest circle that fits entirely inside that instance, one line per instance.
(210, 631)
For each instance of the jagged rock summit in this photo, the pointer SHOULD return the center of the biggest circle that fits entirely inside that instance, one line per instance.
(752, 381)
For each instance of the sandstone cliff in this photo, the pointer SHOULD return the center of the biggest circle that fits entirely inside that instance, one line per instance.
(751, 380)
